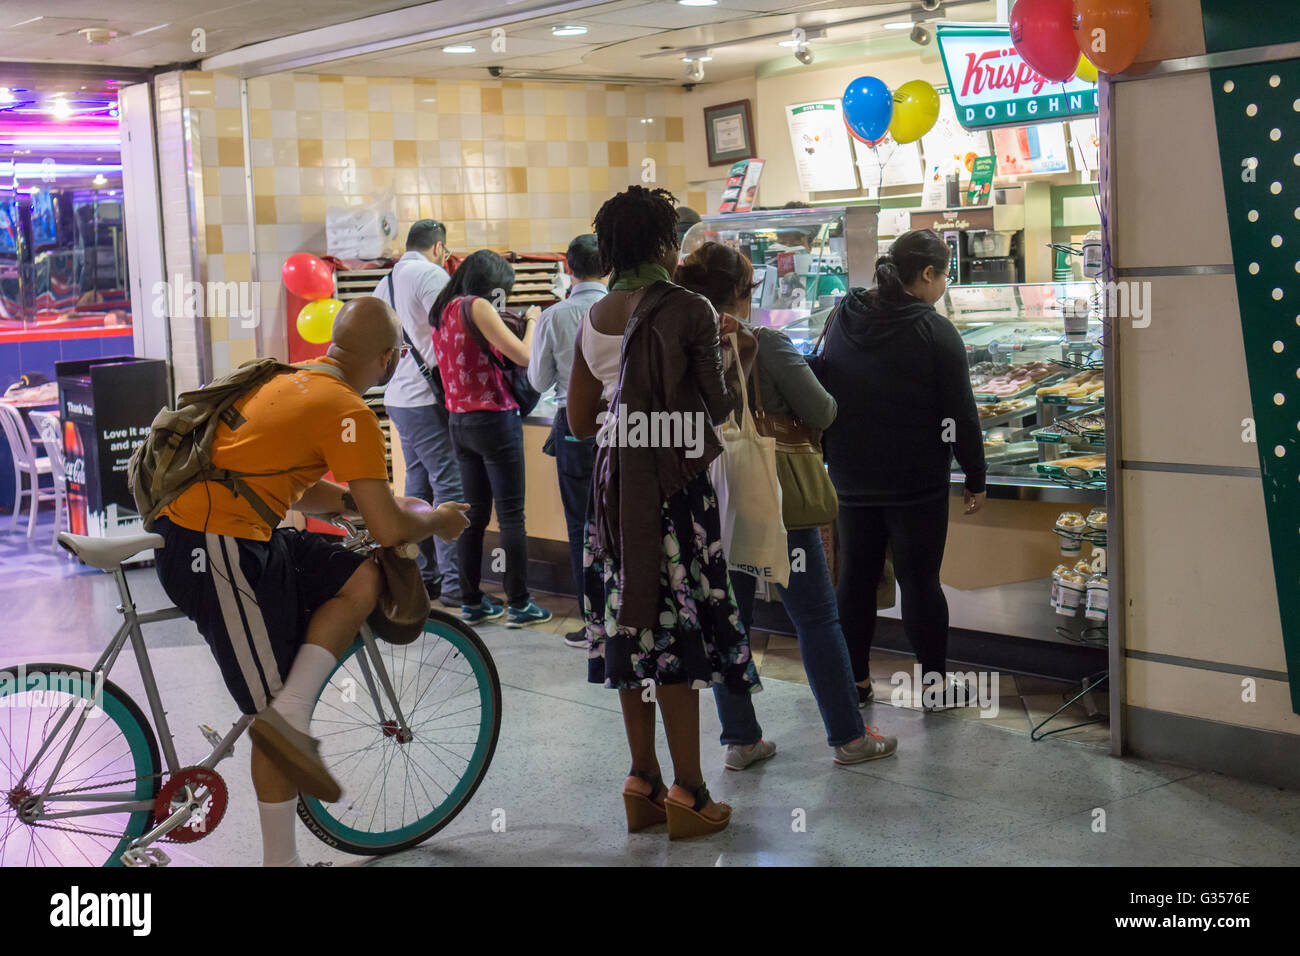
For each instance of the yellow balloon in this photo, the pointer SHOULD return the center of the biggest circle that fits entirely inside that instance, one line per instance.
(1085, 70)
(916, 108)
(316, 320)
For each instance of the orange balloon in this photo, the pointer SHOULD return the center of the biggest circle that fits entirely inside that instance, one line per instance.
(1111, 33)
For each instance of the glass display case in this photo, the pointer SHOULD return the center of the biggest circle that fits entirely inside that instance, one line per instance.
(804, 259)
(1035, 361)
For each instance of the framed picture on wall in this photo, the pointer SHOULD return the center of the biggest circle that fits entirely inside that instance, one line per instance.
(729, 132)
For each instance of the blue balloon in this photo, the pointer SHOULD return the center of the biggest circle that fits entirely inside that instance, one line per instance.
(868, 107)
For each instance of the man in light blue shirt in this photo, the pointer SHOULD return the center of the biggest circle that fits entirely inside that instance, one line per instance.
(550, 364)
(432, 471)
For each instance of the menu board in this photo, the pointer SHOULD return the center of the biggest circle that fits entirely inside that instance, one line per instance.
(1085, 143)
(888, 164)
(1031, 149)
(823, 157)
(950, 145)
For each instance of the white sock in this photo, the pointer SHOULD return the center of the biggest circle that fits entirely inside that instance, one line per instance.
(278, 822)
(301, 688)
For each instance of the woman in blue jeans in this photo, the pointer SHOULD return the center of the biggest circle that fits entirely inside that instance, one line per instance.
(726, 278)
(486, 429)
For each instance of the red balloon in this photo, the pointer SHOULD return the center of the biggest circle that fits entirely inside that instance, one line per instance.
(1043, 34)
(1111, 33)
(868, 142)
(307, 276)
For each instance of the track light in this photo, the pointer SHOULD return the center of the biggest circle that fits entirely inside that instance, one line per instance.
(803, 54)
(921, 35)
(694, 70)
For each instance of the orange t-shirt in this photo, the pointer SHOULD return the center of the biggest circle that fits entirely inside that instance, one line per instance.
(308, 421)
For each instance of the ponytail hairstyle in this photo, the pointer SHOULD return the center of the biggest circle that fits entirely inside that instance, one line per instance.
(906, 260)
(719, 273)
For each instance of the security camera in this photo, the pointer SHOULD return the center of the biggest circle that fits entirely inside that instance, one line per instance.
(495, 71)
(803, 54)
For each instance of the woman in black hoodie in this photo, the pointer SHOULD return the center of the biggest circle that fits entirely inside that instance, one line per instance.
(898, 371)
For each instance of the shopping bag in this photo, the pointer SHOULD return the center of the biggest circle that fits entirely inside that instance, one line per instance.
(749, 498)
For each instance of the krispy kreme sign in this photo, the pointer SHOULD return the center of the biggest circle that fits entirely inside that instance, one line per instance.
(991, 85)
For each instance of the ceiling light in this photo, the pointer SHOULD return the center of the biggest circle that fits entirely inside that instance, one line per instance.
(568, 30)
(694, 71)
(459, 48)
(61, 109)
(698, 3)
(99, 180)
(803, 54)
(697, 59)
(921, 35)
(899, 25)
(6, 95)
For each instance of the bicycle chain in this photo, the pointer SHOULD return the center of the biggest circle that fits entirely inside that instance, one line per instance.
(165, 838)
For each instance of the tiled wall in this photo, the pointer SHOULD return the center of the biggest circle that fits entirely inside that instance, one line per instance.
(506, 165)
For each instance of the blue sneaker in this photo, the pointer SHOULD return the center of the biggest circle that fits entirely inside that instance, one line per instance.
(523, 616)
(487, 610)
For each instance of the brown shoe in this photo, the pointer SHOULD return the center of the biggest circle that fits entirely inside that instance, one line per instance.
(296, 754)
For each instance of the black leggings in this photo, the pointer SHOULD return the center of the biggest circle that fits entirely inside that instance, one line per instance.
(916, 534)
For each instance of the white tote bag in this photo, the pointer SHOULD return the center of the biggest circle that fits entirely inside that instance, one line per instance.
(749, 498)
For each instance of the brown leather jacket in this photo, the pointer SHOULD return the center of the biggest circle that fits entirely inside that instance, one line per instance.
(671, 362)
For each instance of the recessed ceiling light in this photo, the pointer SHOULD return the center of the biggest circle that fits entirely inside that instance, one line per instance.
(459, 48)
(698, 3)
(568, 30)
(899, 25)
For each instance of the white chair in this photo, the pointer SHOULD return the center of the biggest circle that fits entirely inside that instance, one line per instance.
(51, 431)
(26, 464)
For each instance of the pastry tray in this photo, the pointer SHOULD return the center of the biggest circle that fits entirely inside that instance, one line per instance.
(1006, 418)
(1029, 392)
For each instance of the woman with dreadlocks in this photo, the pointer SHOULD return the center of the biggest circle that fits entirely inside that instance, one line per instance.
(662, 622)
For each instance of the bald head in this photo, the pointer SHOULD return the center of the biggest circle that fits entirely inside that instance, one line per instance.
(364, 329)
(367, 337)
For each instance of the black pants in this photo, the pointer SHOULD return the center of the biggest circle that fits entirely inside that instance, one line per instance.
(917, 534)
(574, 460)
(490, 449)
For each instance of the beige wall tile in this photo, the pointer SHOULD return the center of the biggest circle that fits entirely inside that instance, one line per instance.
(311, 152)
(381, 125)
(1210, 695)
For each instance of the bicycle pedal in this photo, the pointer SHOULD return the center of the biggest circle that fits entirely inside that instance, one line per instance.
(145, 856)
(214, 738)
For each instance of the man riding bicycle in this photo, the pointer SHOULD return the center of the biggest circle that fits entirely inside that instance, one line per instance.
(277, 606)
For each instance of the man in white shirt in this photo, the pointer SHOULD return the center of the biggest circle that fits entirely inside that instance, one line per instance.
(550, 364)
(432, 472)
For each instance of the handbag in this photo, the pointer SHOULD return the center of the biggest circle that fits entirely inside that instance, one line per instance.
(515, 376)
(430, 372)
(808, 499)
(403, 606)
(745, 479)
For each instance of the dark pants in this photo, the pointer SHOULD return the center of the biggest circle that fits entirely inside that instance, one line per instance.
(917, 534)
(574, 460)
(810, 602)
(490, 449)
(432, 474)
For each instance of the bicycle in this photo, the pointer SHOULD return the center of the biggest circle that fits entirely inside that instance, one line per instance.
(381, 717)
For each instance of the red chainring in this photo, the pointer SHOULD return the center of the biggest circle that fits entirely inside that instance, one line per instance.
(197, 827)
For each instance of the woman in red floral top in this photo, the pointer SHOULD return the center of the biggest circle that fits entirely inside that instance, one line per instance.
(486, 429)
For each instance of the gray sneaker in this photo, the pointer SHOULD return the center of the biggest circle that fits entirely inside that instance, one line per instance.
(871, 747)
(738, 758)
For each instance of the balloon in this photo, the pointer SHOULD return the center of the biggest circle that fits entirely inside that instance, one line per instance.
(868, 108)
(316, 320)
(307, 276)
(1043, 34)
(1111, 33)
(916, 109)
(1085, 70)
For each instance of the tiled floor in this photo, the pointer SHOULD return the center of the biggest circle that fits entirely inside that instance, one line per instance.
(27, 561)
(961, 790)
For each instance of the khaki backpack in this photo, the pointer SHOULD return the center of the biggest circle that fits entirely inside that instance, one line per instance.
(178, 451)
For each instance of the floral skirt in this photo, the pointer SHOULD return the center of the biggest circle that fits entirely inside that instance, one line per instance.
(699, 637)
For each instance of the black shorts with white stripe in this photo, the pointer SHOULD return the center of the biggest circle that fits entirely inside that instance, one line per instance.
(252, 600)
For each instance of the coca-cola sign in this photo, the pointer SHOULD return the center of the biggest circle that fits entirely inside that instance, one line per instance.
(992, 85)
